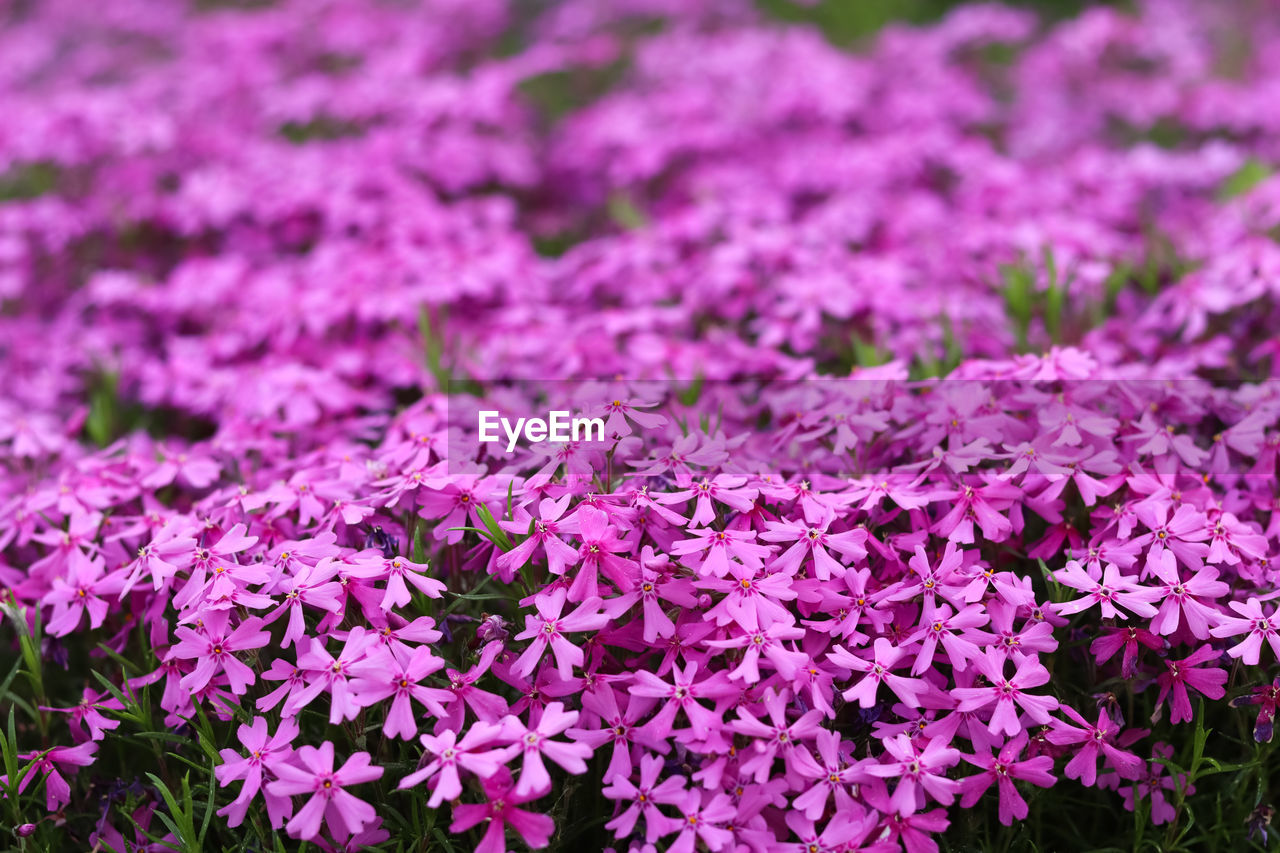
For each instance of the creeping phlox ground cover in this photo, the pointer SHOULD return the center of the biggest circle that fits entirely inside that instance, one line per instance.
(935, 503)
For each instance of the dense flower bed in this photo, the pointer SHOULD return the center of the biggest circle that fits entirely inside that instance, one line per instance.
(936, 502)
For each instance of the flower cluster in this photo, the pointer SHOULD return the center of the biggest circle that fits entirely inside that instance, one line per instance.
(963, 494)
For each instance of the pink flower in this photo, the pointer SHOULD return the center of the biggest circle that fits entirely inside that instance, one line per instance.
(543, 532)
(598, 555)
(330, 802)
(709, 551)
(86, 714)
(1256, 624)
(548, 627)
(1006, 693)
(813, 542)
(1129, 638)
(619, 412)
(398, 571)
(769, 643)
(1095, 740)
(312, 586)
(776, 738)
(752, 598)
(1184, 673)
(1110, 593)
(214, 648)
(534, 743)
(1268, 698)
(473, 753)
(1002, 769)
(387, 673)
(191, 469)
(500, 809)
(832, 777)
(325, 673)
(949, 629)
(919, 772)
(50, 762)
(702, 816)
(82, 589)
(724, 489)
(885, 657)
(644, 800)
(682, 695)
(617, 726)
(264, 754)
(1182, 598)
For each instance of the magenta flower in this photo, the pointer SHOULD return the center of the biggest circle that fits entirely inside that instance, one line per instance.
(214, 645)
(1267, 697)
(263, 755)
(548, 627)
(1110, 593)
(323, 673)
(86, 714)
(709, 552)
(456, 501)
(1181, 598)
(776, 738)
(1007, 695)
(682, 694)
(191, 469)
(50, 764)
(769, 643)
(1095, 740)
(813, 542)
(618, 412)
(950, 630)
(82, 589)
(724, 489)
(488, 707)
(536, 742)
(644, 801)
(398, 571)
(1253, 622)
(1188, 672)
(703, 815)
(618, 727)
(653, 589)
(1002, 769)
(329, 802)
(312, 586)
(885, 657)
(919, 772)
(386, 673)
(542, 532)
(832, 777)
(474, 752)
(1131, 639)
(598, 555)
(753, 598)
(170, 550)
(500, 810)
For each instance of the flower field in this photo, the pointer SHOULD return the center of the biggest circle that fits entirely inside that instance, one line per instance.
(926, 496)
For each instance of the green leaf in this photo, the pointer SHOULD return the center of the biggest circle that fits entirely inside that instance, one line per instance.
(433, 346)
(1019, 291)
(623, 211)
(1202, 735)
(688, 396)
(496, 534)
(867, 354)
(1248, 176)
